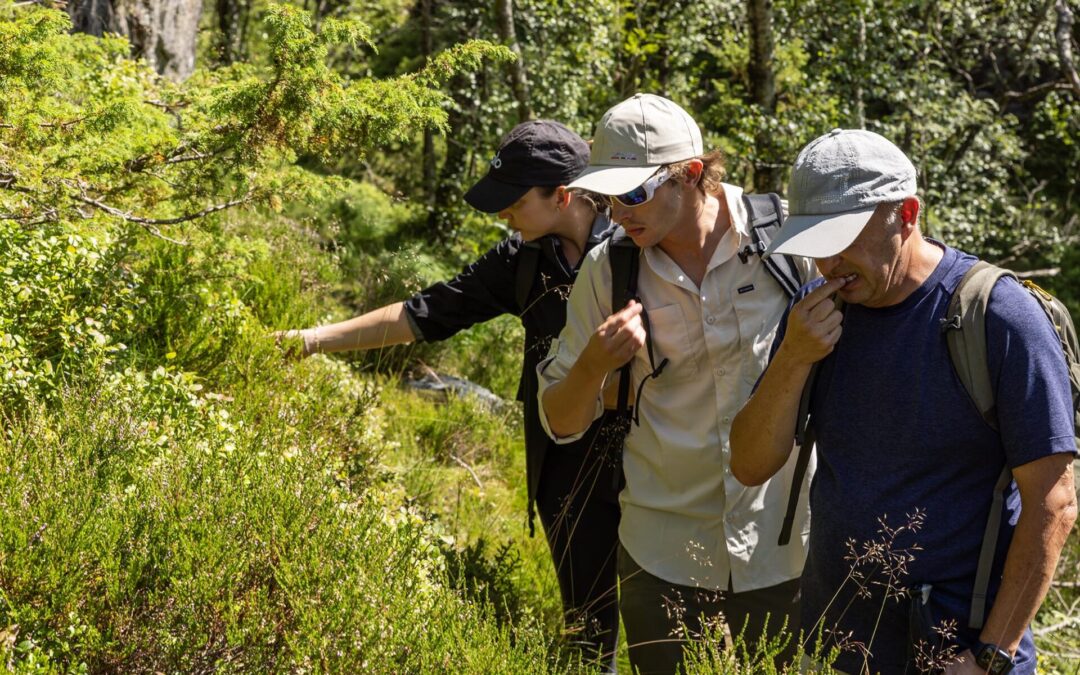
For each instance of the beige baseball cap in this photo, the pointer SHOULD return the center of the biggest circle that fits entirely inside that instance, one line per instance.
(634, 139)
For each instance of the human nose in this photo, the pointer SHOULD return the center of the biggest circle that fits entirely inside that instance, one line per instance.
(618, 211)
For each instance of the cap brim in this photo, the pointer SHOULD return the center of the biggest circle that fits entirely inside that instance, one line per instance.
(491, 196)
(613, 180)
(820, 236)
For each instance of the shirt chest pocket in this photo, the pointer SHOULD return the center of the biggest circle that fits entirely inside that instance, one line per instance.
(670, 338)
(758, 317)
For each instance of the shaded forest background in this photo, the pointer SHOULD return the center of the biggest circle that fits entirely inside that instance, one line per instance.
(178, 179)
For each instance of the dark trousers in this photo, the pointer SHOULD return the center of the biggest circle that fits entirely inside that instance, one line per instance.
(579, 509)
(661, 617)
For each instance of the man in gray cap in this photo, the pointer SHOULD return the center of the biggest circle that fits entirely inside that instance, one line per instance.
(694, 543)
(907, 467)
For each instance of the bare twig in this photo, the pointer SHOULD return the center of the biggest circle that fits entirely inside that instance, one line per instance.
(171, 109)
(1047, 272)
(1037, 90)
(163, 221)
(468, 468)
(1046, 630)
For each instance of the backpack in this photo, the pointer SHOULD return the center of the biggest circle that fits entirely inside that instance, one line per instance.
(765, 216)
(964, 327)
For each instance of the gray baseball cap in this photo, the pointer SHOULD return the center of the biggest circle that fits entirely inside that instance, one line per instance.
(634, 139)
(837, 182)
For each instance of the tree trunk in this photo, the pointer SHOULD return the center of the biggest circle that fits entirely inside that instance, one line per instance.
(232, 20)
(763, 92)
(161, 31)
(440, 218)
(504, 15)
(1063, 33)
(429, 161)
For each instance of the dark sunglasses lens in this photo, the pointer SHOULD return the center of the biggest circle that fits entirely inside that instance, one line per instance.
(634, 197)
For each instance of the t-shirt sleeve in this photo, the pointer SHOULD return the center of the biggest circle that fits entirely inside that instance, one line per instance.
(1027, 365)
(482, 291)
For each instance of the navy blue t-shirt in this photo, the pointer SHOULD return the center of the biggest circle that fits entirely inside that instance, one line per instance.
(904, 458)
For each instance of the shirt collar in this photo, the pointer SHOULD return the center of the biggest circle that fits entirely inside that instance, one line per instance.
(740, 219)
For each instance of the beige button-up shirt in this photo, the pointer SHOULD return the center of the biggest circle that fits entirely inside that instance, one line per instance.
(685, 518)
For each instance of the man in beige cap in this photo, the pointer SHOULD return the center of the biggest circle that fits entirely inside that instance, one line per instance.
(697, 547)
(921, 557)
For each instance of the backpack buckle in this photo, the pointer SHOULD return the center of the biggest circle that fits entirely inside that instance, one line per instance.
(952, 322)
(749, 250)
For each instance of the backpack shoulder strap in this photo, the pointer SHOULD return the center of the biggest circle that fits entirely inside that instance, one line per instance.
(766, 216)
(964, 326)
(804, 439)
(528, 261)
(624, 256)
(977, 615)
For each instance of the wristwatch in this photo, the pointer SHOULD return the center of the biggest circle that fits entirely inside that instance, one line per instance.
(993, 659)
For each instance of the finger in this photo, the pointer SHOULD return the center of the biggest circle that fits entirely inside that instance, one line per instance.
(621, 319)
(834, 336)
(627, 337)
(822, 292)
(822, 310)
(831, 321)
(633, 308)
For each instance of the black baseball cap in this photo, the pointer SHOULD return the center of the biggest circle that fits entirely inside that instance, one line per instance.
(538, 152)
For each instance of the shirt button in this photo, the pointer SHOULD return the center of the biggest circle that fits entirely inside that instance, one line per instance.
(720, 371)
(727, 420)
(710, 320)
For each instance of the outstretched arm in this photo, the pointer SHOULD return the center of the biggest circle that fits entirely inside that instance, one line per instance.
(378, 328)
(763, 432)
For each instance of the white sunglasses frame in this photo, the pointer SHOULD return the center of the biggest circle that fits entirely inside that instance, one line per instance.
(651, 185)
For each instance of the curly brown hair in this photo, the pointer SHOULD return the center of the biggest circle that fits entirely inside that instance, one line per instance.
(711, 175)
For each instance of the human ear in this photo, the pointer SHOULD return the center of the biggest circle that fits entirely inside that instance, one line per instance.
(909, 211)
(694, 169)
(562, 197)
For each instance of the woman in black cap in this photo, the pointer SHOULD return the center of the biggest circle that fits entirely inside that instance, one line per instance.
(573, 486)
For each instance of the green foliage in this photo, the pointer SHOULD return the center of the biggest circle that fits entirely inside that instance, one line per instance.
(178, 530)
(175, 496)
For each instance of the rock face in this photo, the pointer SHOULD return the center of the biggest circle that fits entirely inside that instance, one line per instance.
(161, 31)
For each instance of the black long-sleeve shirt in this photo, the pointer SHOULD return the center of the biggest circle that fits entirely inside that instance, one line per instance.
(487, 289)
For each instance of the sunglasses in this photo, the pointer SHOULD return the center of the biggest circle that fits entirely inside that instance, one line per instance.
(643, 192)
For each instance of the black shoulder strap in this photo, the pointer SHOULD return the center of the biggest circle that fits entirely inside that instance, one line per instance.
(624, 256)
(804, 439)
(766, 216)
(528, 260)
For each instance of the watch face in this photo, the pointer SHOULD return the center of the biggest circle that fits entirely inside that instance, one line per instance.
(995, 661)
